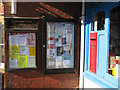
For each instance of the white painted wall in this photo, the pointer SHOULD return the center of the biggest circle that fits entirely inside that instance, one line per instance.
(90, 84)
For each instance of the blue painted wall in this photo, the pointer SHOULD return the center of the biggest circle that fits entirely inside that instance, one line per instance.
(103, 44)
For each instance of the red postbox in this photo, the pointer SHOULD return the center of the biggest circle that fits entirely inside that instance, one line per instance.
(93, 52)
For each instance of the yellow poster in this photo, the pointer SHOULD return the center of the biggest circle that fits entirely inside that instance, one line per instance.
(32, 51)
(13, 51)
(22, 61)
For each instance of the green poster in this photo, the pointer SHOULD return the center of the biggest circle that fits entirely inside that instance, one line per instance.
(22, 61)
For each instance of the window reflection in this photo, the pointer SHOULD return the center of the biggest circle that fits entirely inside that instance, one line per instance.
(114, 42)
(99, 21)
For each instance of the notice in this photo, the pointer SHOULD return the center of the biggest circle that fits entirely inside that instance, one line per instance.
(67, 55)
(66, 48)
(31, 62)
(51, 63)
(22, 61)
(58, 58)
(13, 40)
(51, 53)
(13, 51)
(23, 50)
(66, 62)
(32, 51)
(69, 38)
(13, 63)
(31, 39)
(22, 39)
(50, 41)
(58, 64)
(59, 51)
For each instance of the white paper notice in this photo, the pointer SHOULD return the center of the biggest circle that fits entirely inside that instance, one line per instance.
(66, 48)
(51, 63)
(51, 42)
(13, 63)
(58, 43)
(51, 35)
(58, 64)
(58, 58)
(51, 53)
(23, 50)
(69, 38)
(31, 62)
(66, 62)
(22, 39)
(13, 40)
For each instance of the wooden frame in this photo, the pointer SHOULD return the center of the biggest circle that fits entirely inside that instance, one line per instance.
(61, 70)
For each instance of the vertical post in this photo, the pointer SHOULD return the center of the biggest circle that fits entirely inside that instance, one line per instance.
(13, 6)
(82, 45)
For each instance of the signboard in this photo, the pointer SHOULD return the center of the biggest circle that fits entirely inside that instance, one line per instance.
(22, 23)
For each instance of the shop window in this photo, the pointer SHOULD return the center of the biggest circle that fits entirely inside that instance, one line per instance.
(22, 50)
(60, 46)
(114, 42)
(98, 21)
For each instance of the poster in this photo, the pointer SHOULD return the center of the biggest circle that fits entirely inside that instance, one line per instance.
(31, 62)
(23, 50)
(59, 51)
(13, 63)
(22, 61)
(32, 51)
(67, 55)
(22, 39)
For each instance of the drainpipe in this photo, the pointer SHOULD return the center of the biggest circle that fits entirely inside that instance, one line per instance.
(81, 79)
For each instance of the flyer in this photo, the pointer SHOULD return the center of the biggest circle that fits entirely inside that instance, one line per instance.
(13, 51)
(58, 58)
(13, 39)
(31, 39)
(58, 44)
(69, 38)
(51, 63)
(63, 40)
(66, 48)
(23, 50)
(66, 62)
(22, 39)
(13, 63)
(58, 64)
(67, 55)
(51, 35)
(32, 51)
(31, 62)
(22, 61)
(51, 53)
(50, 28)
(59, 51)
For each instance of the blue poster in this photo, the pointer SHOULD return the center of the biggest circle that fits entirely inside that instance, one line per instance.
(67, 55)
